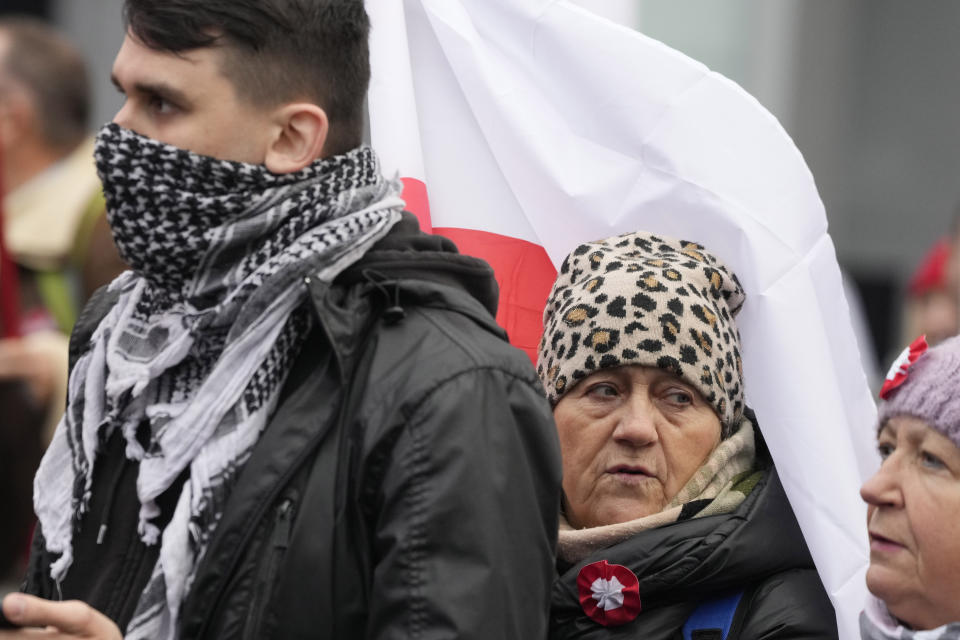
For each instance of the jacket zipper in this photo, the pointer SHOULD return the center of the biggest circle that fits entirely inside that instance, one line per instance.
(282, 480)
(279, 542)
(245, 538)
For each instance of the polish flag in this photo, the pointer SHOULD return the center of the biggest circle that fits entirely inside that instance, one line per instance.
(523, 128)
(467, 200)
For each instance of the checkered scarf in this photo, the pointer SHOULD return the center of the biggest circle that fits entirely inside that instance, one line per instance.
(190, 361)
(719, 486)
(877, 623)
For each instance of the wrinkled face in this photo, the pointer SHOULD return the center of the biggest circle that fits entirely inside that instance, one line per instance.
(912, 515)
(630, 437)
(185, 100)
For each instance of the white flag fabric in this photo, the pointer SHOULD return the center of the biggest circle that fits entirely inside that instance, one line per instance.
(541, 123)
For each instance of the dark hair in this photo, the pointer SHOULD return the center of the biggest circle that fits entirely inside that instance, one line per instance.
(276, 50)
(54, 73)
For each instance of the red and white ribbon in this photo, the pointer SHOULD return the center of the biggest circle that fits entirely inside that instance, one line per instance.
(901, 366)
(609, 593)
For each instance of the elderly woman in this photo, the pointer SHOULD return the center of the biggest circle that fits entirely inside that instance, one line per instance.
(673, 518)
(914, 500)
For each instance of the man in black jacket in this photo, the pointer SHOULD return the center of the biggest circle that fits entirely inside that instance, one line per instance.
(295, 416)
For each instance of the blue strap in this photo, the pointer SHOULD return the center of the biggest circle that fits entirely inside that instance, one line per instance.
(716, 614)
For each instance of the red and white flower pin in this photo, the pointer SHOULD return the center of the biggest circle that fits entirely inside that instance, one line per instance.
(609, 593)
(898, 372)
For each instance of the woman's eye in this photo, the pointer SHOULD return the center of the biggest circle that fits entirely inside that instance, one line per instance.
(603, 391)
(931, 461)
(884, 449)
(677, 396)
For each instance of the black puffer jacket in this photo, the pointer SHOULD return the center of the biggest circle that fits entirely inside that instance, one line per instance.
(407, 485)
(758, 549)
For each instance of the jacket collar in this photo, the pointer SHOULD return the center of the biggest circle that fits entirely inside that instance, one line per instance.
(407, 268)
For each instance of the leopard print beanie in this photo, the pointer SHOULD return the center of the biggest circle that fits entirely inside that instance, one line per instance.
(648, 300)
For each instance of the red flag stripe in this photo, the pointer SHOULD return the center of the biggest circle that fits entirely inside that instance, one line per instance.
(525, 275)
(522, 269)
(415, 195)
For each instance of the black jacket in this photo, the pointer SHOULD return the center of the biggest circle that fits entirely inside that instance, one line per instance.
(758, 549)
(406, 486)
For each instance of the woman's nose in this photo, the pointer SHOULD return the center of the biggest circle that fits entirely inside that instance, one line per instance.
(883, 487)
(637, 425)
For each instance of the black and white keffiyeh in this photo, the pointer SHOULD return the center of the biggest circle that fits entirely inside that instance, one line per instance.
(198, 346)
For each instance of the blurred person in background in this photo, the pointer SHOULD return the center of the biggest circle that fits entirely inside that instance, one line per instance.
(913, 500)
(931, 307)
(54, 211)
(55, 226)
(674, 518)
(55, 230)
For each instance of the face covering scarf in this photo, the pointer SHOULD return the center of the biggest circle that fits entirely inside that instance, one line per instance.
(190, 361)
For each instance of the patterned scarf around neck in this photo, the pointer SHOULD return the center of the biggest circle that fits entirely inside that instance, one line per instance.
(200, 341)
(877, 623)
(718, 486)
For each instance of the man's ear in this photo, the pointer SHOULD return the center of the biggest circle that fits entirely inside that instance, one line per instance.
(300, 134)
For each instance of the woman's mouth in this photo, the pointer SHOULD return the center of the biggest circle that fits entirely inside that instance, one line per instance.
(883, 544)
(630, 474)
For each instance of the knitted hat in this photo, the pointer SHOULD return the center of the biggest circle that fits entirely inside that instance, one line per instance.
(651, 301)
(928, 388)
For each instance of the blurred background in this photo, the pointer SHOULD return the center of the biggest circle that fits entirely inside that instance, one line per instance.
(867, 89)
